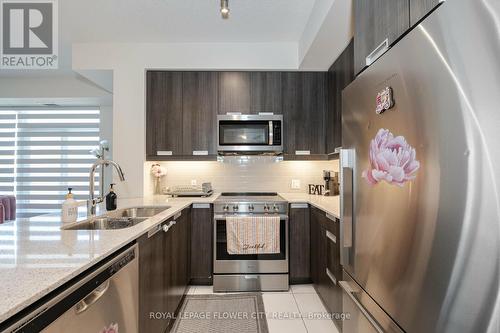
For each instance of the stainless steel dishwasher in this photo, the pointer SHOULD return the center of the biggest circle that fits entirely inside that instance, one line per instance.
(104, 301)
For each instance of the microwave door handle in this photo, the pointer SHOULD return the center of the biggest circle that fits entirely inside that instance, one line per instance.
(271, 136)
(347, 162)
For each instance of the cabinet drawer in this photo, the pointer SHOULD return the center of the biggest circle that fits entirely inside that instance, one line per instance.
(332, 255)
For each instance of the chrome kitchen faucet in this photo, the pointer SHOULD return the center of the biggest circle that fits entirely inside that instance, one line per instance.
(92, 202)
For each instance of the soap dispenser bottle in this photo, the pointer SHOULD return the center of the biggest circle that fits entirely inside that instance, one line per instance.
(111, 198)
(69, 208)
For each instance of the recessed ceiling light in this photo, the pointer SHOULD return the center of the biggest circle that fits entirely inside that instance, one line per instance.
(224, 8)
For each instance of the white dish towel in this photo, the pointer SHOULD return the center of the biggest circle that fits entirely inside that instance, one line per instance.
(253, 234)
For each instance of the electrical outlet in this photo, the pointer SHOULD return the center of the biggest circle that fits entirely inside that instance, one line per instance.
(193, 182)
(296, 184)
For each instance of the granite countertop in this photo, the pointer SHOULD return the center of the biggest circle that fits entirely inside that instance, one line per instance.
(330, 205)
(37, 256)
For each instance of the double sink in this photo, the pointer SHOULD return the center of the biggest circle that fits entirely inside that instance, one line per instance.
(118, 219)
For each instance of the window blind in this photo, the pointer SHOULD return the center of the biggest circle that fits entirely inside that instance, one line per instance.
(7, 151)
(51, 153)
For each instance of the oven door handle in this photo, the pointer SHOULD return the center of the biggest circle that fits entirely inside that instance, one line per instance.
(223, 216)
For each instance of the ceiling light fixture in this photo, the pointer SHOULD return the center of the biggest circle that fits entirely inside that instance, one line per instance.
(224, 8)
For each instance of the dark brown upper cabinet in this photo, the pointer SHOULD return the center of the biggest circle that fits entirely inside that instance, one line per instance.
(164, 113)
(199, 112)
(265, 92)
(340, 75)
(234, 92)
(420, 8)
(304, 110)
(378, 25)
(182, 110)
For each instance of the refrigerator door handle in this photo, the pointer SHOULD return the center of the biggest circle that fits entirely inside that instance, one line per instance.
(347, 163)
(349, 292)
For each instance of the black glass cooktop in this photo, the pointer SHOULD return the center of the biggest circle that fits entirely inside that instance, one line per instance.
(249, 194)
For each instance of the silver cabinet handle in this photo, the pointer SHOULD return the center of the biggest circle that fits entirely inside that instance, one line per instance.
(377, 52)
(331, 236)
(200, 152)
(153, 231)
(331, 217)
(91, 298)
(164, 153)
(348, 290)
(166, 227)
(302, 152)
(201, 206)
(331, 276)
(299, 205)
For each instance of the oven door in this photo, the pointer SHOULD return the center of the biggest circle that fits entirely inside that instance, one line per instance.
(225, 263)
(247, 133)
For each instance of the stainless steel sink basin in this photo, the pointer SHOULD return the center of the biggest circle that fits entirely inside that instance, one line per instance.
(138, 212)
(119, 219)
(106, 223)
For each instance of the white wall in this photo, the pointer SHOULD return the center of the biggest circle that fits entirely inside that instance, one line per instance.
(129, 63)
(68, 89)
(327, 33)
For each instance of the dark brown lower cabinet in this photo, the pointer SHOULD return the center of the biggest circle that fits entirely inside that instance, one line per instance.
(152, 285)
(163, 273)
(325, 261)
(299, 240)
(201, 244)
(177, 250)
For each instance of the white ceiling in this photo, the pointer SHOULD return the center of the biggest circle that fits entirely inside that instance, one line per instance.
(164, 21)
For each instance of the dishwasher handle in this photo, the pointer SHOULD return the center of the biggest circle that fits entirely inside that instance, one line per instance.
(91, 298)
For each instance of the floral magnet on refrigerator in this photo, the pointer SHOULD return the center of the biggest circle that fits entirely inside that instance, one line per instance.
(112, 328)
(392, 160)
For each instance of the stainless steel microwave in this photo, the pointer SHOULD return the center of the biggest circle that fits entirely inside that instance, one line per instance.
(250, 134)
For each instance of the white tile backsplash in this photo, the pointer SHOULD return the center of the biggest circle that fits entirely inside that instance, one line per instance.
(248, 174)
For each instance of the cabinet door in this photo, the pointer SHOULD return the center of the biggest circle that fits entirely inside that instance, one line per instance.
(234, 92)
(201, 244)
(324, 281)
(315, 230)
(164, 113)
(304, 109)
(199, 106)
(177, 250)
(375, 22)
(340, 75)
(299, 249)
(265, 92)
(420, 8)
(152, 283)
(333, 298)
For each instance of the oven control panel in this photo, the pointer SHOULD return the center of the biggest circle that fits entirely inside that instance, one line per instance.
(251, 207)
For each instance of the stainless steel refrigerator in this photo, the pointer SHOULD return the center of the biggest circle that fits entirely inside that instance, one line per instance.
(420, 168)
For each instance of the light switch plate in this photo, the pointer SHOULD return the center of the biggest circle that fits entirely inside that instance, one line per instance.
(296, 184)
(193, 182)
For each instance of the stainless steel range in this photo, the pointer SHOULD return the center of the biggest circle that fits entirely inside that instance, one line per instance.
(249, 272)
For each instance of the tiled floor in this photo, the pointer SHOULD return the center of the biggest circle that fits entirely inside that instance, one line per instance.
(289, 312)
